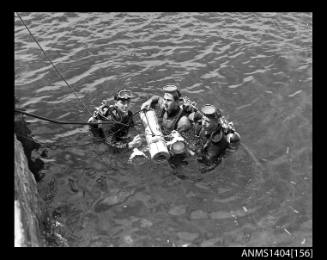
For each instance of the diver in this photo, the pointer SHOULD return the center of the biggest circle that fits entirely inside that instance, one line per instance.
(217, 137)
(115, 134)
(173, 120)
(173, 115)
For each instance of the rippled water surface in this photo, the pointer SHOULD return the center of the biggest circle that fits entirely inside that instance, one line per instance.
(257, 67)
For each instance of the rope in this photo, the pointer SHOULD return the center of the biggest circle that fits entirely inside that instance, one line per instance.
(63, 122)
(53, 65)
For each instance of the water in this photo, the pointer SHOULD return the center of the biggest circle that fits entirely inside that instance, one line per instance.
(256, 67)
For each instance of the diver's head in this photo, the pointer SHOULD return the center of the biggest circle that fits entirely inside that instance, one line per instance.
(211, 118)
(171, 98)
(122, 100)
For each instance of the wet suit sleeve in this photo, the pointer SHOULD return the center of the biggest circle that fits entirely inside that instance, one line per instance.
(195, 117)
(156, 101)
(112, 141)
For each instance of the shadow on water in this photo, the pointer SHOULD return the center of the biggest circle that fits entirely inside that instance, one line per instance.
(257, 67)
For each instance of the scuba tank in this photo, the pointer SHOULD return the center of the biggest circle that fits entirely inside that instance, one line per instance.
(154, 137)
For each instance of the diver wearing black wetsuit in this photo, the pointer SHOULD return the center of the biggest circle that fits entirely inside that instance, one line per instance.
(115, 134)
(216, 137)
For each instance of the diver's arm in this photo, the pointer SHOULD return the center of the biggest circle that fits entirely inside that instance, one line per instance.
(114, 143)
(195, 117)
(151, 102)
(123, 144)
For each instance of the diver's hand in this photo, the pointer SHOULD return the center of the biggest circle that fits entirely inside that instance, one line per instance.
(146, 105)
(136, 142)
(233, 137)
(189, 108)
(228, 137)
(92, 120)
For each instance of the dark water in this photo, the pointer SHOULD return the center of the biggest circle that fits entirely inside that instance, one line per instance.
(257, 67)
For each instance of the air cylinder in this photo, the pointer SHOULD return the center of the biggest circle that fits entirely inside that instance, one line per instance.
(154, 137)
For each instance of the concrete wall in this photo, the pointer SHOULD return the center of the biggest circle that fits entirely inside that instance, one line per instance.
(28, 204)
